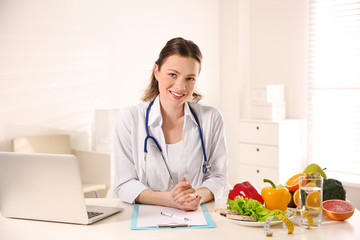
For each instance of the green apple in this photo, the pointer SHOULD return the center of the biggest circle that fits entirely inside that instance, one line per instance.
(313, 168)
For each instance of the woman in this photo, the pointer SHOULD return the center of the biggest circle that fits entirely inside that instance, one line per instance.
(171, 171)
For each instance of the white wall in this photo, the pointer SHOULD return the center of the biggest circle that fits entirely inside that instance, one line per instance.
(278, 36)
(261, 42)
(60, 60)
(234, 71)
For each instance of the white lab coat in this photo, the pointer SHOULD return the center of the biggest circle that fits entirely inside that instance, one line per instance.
(131, 178)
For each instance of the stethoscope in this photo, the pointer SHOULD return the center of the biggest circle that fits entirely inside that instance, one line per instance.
(206, 166)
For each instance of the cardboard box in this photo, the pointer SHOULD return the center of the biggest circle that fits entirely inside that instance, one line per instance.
(268, 94)
(268, 111)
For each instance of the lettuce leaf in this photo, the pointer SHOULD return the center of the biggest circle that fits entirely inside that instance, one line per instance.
(251, 207)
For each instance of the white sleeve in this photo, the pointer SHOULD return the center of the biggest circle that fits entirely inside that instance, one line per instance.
(126, 182)
(216, 179)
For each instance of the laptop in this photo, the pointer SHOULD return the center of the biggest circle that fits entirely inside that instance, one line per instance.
(45, 187)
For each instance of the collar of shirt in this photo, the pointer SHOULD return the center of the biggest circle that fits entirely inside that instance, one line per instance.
(155, 117)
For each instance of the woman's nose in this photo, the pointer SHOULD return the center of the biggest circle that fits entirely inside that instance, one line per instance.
(181, 84)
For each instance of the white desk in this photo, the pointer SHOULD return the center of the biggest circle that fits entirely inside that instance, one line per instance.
(118, 227)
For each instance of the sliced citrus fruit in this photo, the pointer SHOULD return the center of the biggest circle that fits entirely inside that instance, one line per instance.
(311, 184)
(293, 183)
(338, 209)
(296, 197)
(313, 201)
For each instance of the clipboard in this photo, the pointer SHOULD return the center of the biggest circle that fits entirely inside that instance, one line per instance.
(135, 217)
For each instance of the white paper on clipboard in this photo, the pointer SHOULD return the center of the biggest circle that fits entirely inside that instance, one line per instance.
(150, 216)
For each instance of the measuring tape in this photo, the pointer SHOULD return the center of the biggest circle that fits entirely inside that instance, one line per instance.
(287, 224)
(308, 220)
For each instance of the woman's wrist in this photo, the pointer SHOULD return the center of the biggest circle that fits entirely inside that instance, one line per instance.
(152, 197)
(206, 194)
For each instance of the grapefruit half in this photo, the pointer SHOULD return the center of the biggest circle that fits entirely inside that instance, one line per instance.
(338, 209)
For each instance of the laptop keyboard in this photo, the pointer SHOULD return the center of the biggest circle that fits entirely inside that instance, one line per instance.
(93, 214)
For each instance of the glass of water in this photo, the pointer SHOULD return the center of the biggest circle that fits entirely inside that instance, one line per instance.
(310, 198)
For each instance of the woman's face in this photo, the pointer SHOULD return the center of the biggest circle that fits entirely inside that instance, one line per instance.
(177, 78)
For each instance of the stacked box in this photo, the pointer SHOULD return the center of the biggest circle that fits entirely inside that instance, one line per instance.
(268, 102)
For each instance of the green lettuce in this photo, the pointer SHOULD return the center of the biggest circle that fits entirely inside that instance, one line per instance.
(251, 207)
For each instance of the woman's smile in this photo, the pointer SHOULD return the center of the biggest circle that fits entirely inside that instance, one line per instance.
(177, 95)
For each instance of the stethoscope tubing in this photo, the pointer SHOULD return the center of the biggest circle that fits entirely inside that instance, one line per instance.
(147, 130)
(205, 165)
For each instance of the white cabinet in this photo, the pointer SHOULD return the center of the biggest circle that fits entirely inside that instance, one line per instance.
(270, 149)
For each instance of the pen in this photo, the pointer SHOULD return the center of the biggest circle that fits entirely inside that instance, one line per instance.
(174, 216)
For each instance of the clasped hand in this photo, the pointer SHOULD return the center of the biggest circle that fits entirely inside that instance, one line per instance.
(185, 196)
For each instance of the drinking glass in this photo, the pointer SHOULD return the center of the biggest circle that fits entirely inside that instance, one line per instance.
(310, 198)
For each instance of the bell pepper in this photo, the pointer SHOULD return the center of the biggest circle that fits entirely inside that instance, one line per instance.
(275, 198)
(246, 190)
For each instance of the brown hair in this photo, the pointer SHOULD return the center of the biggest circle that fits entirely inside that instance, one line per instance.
(179, 46)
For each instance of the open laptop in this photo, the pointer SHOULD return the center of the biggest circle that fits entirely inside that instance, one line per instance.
(45, 187)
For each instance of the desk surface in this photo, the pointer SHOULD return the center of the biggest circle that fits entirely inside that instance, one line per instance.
(118, 227)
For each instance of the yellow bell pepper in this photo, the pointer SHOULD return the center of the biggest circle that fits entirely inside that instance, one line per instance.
(275, 198)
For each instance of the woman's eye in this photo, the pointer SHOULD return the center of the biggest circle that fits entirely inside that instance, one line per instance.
(191, 79)
(173, 75)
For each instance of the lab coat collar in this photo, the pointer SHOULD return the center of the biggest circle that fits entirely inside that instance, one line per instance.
(188, 113)
(155, 112)
(155, 116)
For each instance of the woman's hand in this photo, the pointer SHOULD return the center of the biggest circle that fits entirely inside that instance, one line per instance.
(185, 196)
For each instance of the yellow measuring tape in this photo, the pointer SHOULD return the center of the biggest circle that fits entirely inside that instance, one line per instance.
(287, 224)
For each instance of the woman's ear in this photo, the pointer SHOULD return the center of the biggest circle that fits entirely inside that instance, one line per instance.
(156, 72)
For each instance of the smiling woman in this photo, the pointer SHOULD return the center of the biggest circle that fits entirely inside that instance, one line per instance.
(176, 82)
(175, 48)
(162, 171)
(176, 79)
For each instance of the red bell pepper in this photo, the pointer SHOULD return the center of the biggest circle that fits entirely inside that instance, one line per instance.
(246, 190)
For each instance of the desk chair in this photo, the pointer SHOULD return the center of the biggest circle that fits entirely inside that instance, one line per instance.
(57, 144)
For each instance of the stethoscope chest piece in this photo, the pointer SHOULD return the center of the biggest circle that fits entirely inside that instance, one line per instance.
(206, 167)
